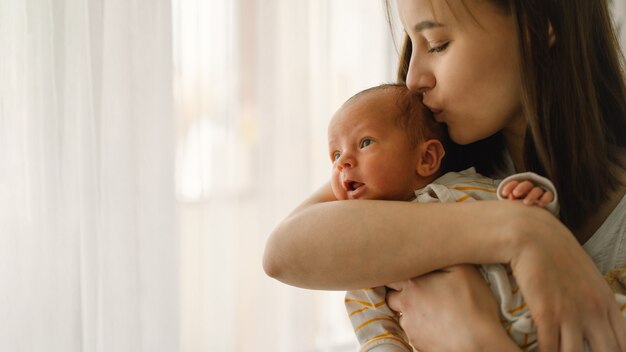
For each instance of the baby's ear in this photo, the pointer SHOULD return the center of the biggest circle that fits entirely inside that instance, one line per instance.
(431, 153)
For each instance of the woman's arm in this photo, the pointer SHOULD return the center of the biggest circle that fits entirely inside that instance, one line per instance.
(327, 244)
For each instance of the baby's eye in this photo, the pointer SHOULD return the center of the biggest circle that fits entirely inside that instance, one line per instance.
(336, 156)
(366, 142)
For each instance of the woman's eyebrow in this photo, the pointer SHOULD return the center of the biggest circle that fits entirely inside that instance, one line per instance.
(427, 25)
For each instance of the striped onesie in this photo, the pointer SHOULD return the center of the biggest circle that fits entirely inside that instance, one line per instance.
(376, 326)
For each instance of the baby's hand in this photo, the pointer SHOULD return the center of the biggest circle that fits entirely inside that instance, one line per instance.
(528, 193)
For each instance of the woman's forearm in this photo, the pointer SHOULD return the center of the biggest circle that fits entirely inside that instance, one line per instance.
(355, 244)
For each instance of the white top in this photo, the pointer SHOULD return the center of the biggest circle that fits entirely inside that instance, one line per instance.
(607, 246)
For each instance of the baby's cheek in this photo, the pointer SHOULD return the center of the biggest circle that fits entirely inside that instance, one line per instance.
(338, 190)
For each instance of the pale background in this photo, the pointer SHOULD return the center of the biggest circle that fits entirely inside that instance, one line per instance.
(148, 148)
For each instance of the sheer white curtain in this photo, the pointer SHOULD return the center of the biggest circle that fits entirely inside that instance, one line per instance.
(88, 247)
(256, 84)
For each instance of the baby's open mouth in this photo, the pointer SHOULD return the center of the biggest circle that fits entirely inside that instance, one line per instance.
(353, 185)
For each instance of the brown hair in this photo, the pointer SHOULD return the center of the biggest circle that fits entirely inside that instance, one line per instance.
(574, 99)
(411, 115)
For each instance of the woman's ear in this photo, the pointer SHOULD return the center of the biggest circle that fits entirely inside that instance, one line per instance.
(431, 153)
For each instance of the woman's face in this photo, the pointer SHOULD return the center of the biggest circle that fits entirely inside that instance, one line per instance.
(466, 62)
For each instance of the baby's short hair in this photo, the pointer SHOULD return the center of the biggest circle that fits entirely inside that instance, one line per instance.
(411, 115)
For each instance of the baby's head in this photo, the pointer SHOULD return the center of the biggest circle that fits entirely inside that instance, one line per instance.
(384, 144)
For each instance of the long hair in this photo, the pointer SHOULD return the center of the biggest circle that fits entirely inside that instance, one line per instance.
(574, 99)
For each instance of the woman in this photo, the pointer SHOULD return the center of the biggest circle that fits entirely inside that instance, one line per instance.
(546, 76)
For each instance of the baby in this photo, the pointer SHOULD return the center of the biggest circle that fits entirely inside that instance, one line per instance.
(384, 144)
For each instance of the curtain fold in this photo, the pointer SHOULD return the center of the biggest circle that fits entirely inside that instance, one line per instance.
(88, 247)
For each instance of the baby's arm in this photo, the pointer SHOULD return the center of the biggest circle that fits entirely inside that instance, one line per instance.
(374, 323)
(531, 189)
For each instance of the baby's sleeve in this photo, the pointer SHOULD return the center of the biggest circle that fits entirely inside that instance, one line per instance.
(537, 180)
(375, 325)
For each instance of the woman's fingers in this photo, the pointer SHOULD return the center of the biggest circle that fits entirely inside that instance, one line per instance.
(393, 301)
(568, 298)
(547, 336)
(397, 286)
(572, 338)
(608, 333)
(601, 337)
(594, 319)
(618, 322)
(565, 324)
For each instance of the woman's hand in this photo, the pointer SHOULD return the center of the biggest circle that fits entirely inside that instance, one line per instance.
(450, 310)
(567, 297)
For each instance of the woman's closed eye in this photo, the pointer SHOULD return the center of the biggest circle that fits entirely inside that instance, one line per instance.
(366, 142)
(438, 48)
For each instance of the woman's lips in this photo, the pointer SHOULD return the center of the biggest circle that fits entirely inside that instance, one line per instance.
(437, 114)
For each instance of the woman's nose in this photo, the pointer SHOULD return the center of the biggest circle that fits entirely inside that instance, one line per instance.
(419, 78)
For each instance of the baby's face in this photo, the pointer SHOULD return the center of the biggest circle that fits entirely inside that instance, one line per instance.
(371, 155)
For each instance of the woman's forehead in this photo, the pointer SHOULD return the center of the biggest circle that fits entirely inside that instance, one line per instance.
(444, 12)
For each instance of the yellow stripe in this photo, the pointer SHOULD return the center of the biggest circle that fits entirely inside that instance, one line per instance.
(358, 311)
(371, 321)
(529, 346)
(517, 309)
(364, 303)
(469, 188)
(386, 336)
(483, 183)
(462, 199)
